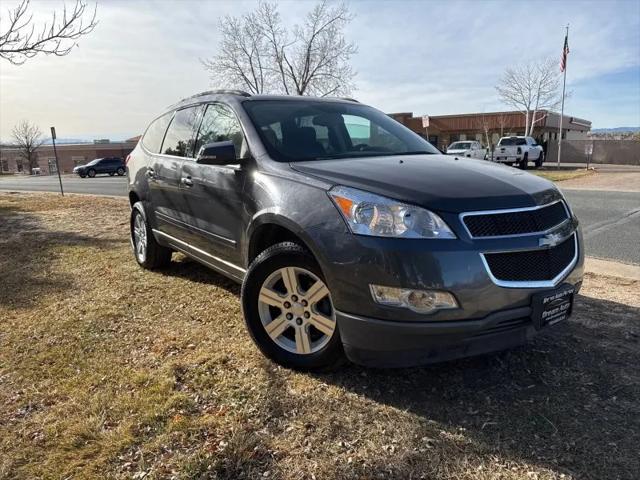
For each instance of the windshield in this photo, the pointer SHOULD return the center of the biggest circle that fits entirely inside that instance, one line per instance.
(93, 162)
(512, 141)
(460, 146)
(297, 131)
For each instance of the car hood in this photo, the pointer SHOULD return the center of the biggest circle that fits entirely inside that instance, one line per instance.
(437, 182)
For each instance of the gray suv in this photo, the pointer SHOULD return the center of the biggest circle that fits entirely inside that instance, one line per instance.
(352, 235)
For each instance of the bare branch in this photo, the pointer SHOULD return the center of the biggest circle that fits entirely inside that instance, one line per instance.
(531, 88)
(262, 56)
(20, 42)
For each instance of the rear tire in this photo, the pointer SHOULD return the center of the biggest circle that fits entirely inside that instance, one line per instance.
(288, 310)
(525, 162)
(91, 173)
(148, 252)
(120, 171)
(540, 160)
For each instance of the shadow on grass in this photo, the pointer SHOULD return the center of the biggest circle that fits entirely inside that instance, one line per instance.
(568, 401)
(27, 250)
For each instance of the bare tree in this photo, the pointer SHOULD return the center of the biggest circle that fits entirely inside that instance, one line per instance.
(28, 139)
(532, 88)
(502, 122)
(259, 54)
(21, 39)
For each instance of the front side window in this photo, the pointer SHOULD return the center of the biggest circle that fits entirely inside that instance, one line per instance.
(180, 135)
(293, 130)
(220, 124)
(460, 146)
(152, 139)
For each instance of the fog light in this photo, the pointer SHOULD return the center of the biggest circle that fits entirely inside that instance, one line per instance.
(420, 301)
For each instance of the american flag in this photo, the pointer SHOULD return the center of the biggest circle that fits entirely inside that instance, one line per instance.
(565, 52)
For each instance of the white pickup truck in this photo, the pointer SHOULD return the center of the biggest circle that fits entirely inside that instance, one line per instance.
(470, 149)
(520, 150)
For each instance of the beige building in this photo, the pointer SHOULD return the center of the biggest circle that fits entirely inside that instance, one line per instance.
(69, 156)
(442, 130)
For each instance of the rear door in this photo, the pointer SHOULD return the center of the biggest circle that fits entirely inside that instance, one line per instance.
(214, 193)
(164, 173)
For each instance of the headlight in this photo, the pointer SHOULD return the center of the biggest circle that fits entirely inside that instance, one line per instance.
(370, 214)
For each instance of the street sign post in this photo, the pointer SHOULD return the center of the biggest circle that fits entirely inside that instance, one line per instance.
(55, 153)
(588, 151)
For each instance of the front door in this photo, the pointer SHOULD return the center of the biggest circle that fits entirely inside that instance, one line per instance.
(213, 193)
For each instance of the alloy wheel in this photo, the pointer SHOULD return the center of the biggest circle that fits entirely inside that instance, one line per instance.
(296, 311)
(140, 238)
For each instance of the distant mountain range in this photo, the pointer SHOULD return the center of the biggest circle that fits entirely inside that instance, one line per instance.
(616, 130)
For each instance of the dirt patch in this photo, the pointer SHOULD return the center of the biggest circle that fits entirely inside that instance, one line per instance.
(615, 181)
(110, 371)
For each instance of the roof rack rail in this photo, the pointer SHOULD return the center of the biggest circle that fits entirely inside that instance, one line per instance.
(349, 99)
(219, 91)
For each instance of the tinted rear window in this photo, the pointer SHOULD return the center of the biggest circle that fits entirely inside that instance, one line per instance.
(155, 133)
(505, 142)
(179, 140)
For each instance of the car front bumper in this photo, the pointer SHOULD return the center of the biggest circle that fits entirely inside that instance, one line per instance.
(390, 344)
(490, 317)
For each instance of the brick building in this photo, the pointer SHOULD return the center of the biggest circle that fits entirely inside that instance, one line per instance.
(69, 155)
(442, 130)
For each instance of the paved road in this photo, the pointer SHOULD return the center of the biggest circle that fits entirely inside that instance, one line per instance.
(610, 220)
(101, 185)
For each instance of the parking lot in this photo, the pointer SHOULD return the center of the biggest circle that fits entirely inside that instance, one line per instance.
(113, 371)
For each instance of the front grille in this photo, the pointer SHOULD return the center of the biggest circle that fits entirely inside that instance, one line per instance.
(536, 265)
(516, 223)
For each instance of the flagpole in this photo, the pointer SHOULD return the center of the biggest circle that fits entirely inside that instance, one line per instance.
(564, 85)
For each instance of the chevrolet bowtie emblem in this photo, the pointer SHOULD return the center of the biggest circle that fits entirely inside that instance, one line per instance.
(551, 240)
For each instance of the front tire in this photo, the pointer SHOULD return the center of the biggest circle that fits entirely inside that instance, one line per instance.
(148, 252)
(288, 310)
(111, 174)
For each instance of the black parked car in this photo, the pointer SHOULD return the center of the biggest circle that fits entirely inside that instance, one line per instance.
(350, 233)
(110, 165)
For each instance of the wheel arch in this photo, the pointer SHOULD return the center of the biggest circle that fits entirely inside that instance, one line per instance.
(270, 229)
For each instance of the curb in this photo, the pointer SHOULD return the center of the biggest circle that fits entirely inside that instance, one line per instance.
(599, 266)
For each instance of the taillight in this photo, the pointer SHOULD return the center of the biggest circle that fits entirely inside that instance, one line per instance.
(126, 160)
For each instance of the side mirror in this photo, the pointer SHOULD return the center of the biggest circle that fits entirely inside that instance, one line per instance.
(217, 153)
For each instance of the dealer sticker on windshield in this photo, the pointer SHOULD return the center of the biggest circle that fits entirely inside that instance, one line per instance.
(552, 307)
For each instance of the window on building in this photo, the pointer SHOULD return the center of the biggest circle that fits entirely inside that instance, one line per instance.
(152, 139)
(4, 165)
(179, 140)
(19, 165)
(219, 124)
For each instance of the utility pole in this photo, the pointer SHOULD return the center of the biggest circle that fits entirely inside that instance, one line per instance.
(55, 153)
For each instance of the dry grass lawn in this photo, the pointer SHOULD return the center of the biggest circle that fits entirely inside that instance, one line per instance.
(110, 371)
(562, 175)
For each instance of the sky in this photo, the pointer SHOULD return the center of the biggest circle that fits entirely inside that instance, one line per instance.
(422, 56)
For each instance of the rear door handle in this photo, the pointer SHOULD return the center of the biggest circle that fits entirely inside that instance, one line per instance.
(186, 181)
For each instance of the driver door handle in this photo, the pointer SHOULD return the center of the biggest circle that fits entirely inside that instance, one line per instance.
(186, 181)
